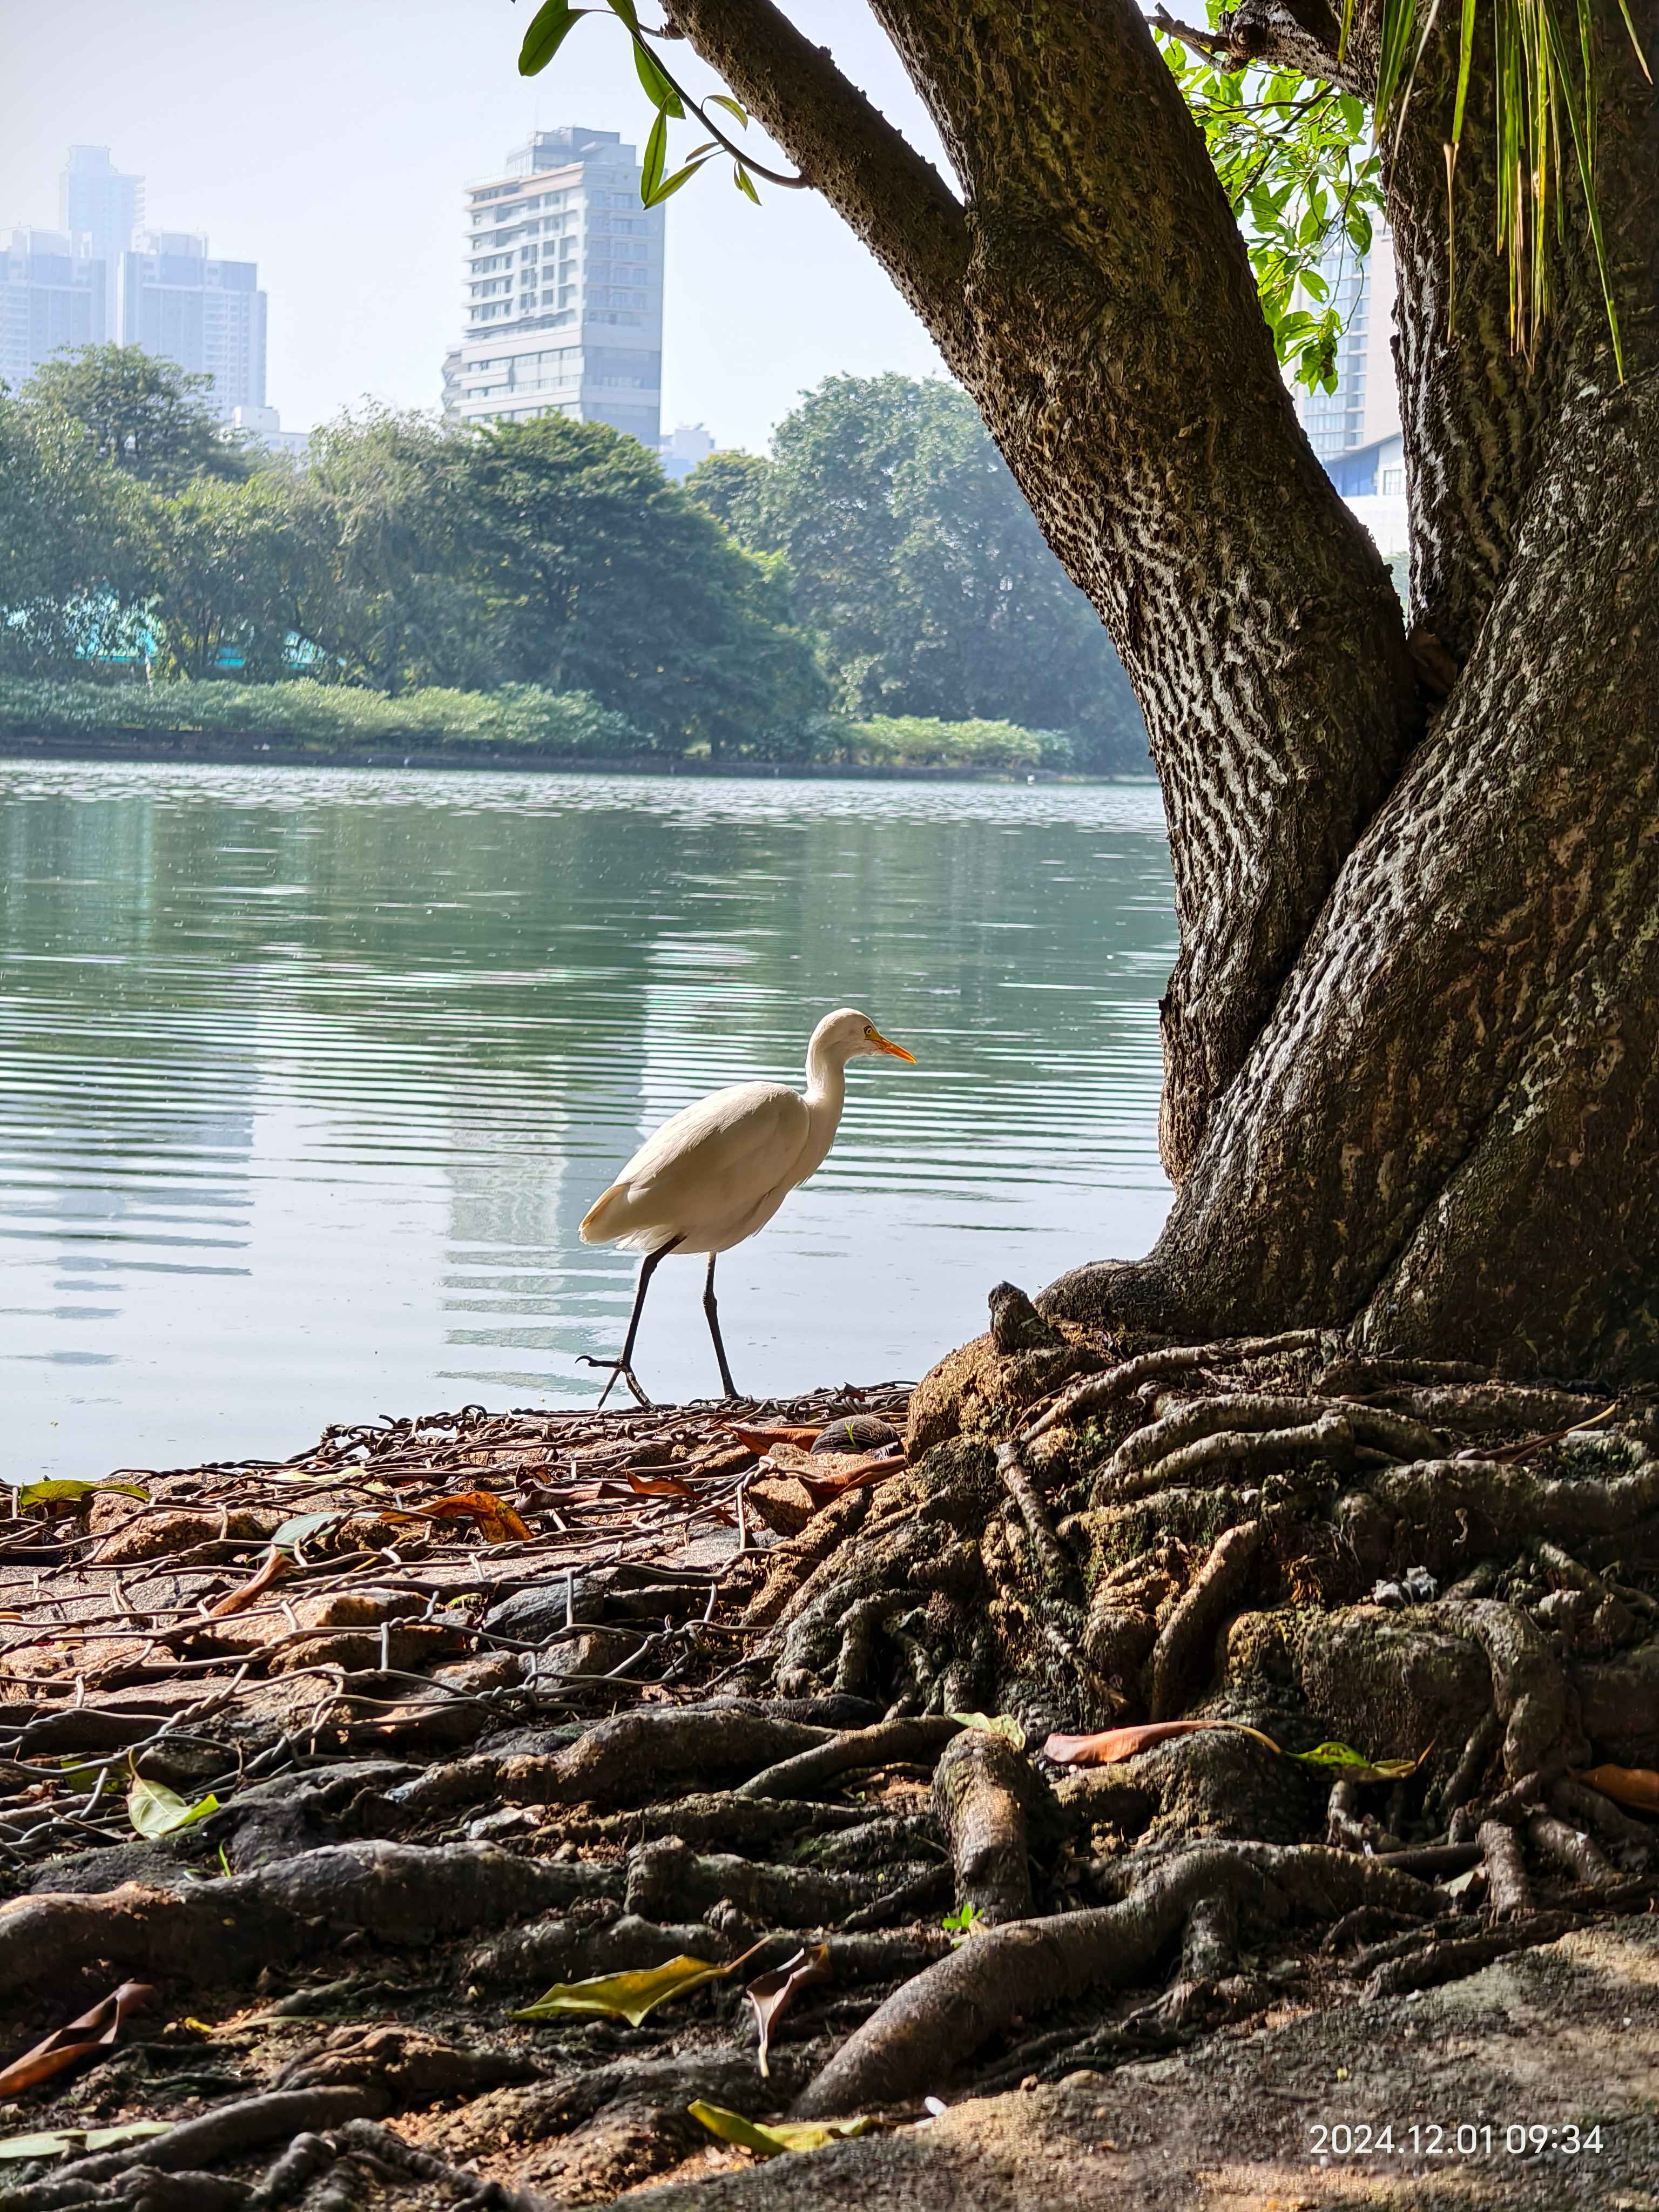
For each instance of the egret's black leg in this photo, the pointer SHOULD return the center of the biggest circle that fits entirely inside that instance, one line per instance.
(625, 1366)
(712, 1311)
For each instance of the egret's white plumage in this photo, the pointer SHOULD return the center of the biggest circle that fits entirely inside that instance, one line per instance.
(717, 1170)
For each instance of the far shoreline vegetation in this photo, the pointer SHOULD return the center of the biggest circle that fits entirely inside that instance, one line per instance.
(873, 598)
(305, 724)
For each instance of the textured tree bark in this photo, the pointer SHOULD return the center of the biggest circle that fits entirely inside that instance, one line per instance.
(1411, 1036)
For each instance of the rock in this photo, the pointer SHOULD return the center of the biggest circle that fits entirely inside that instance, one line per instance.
(781, 1502)
(1016, 1324)
(147, 1535)
(532, 1613)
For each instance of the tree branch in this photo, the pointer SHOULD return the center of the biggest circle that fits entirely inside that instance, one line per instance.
(1298, 34)
(889, 196)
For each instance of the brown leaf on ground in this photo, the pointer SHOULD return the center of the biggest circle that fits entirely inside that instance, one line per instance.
(836, 1472)
(496, 1521)
(800, 1434)
(659, 1485)
(276, 1565)
(1114, 1744)
(1625, 1785)
(94, 2031)
(771, 1994)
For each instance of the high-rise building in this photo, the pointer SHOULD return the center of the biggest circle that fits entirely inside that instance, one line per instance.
(53, 294)
(1355, 430)
(207, 315)
(100, 278)
(96, 200)
(563, 296)
(686, 444)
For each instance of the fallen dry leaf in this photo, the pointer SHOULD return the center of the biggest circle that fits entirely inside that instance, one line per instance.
(659, 1485)
(276, 1564)
(834, 1473)
(771, 1994)
(1625, 1785)
(496, 1521)
(761, 1440)
(1114, 1744)
(94, 2031)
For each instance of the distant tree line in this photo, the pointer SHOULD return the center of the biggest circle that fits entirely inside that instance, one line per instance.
(917, 565)
(882, 564)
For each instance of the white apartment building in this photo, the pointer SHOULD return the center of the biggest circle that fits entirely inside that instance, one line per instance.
(1356, 429)
(52, 294)
(173, 300)
(563, 291)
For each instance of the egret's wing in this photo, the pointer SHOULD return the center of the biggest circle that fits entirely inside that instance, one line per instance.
(707, 1168)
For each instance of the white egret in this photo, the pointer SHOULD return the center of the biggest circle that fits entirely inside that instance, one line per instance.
(717, 1171)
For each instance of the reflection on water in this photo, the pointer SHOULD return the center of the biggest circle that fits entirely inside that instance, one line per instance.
(307, 1076)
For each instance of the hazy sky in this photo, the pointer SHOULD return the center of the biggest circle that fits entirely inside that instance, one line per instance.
(330, 140)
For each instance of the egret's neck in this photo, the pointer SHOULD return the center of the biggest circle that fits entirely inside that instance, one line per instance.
(826, 1085)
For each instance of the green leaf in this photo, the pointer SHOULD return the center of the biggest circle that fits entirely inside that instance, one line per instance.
(769, 2141)
(733, 107)
(154, 1810)
(1343, 1758)
(963, 1922)
(672, 185)
(295, 1531)
(65, 1491)
(657, 90)
(1003, 1724)
(625, 1997)
(745, 182)
(550, 26)
(627, 11)
(53, 2145)
(654, 159)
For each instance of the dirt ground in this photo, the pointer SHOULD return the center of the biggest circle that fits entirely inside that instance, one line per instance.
(1564, 2037)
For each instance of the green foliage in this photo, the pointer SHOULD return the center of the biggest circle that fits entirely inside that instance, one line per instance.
(76, 547)
(146, 415)
(603, 578)
(389, 593)
(910, 741)
(320, 718)
(1301, 174)
(917, 564)
(311, 719)
(552, 24)
(731, 486)
(227, 571)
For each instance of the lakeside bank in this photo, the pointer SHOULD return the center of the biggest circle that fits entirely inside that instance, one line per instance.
(186, 745)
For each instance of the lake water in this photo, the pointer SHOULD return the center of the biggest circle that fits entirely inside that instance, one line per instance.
(307, 1076)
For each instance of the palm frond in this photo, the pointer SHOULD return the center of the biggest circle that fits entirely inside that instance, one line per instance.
(1545, 92)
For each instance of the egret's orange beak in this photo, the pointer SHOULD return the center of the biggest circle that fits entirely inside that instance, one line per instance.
(874, 1036)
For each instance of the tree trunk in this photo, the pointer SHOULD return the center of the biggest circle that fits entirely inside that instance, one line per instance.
(1410, 1039)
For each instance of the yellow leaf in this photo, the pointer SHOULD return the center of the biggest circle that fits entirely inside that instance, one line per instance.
(767, 2140)
(625, 1996)
(1002, 1724)
(154, 1810)
(79, 2139)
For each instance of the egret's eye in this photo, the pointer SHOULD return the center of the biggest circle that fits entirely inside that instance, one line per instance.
(869, 1031)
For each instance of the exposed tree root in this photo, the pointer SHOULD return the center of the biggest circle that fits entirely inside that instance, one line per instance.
(735, 1751)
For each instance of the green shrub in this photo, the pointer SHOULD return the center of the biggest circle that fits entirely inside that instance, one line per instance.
(993, 747)
(321, 716)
